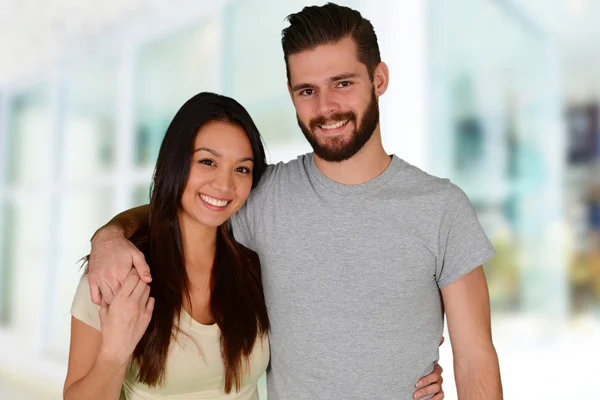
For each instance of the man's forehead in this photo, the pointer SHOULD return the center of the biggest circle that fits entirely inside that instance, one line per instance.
(323, 63)
(345, 48)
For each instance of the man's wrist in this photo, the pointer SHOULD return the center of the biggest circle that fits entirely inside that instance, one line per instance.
(107, 232)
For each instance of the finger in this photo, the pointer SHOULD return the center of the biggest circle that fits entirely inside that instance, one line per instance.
(434, 376)
(114, 285)
(113, 280)
(145, 295)
(103, 310)
(130, 283)
(142, 268)
(148, 309)
(138, 291)
(427, 390)
(442, 340)
(150, 305)
(106, 292)
(95, 292)
(439, 396)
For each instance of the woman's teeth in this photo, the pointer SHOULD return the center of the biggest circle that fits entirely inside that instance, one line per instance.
(214, 202)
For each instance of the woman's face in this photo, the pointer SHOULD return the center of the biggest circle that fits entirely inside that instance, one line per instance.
(220, 177)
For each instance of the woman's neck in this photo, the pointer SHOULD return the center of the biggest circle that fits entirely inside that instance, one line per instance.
(199, 246)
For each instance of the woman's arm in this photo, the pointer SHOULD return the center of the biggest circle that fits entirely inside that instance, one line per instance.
(91, 375)
(98, 360)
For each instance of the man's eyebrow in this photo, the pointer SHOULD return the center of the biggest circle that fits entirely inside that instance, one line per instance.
(341, 77)
(336, 78)
(301, 86)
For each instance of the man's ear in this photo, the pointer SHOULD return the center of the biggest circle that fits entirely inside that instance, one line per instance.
(381, 78)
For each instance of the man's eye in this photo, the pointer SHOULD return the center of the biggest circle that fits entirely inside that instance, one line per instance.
(345, 84)
(307, 92)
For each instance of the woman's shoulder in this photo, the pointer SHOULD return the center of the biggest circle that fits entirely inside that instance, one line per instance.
(83, 308)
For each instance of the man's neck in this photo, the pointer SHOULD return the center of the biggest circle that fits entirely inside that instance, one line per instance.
(362, 167)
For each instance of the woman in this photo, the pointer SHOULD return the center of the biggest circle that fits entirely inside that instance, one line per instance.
(199, 331)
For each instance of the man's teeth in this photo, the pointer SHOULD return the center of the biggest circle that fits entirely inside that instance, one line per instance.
(334, 126)
(214, 202)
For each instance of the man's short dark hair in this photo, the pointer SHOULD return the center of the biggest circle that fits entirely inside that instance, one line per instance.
(318, 25)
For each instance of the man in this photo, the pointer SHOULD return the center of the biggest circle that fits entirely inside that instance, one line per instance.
(361, 252)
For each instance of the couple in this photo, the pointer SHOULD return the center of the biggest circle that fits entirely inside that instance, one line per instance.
(358, 254)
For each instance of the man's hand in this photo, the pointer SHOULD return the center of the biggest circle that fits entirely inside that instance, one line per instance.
(431, 385)
(111, 260)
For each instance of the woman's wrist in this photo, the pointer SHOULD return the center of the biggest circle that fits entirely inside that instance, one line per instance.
(112, 358)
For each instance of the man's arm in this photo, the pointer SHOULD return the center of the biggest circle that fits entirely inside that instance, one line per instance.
(476, 369)
(113, 255)
(125, 223)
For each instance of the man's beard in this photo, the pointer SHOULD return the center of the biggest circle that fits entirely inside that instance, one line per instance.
(339, 149)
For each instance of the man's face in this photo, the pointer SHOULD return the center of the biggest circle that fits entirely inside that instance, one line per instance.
(335, 100)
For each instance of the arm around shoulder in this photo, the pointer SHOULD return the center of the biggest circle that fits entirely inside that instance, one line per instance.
(125, 223)
(112, 255)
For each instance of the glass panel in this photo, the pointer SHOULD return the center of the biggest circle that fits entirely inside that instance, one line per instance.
(25, 264)
(254, 68)
(30, 134)
(7, 225)
(141, 195)
(583, 204)
(90, 121)
(170, 71)
(497, 114)
(484, 109)
(80, 213)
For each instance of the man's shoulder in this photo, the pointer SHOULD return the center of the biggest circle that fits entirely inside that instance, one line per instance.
(413, 179)
(294, 164)
(430, 190)
(279, 175)
(283, 171)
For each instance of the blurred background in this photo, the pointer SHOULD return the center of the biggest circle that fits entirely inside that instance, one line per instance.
(501, 96)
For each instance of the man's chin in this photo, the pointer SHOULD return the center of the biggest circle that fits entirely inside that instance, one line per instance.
(336, 148)
(333, 141)
(331, 154)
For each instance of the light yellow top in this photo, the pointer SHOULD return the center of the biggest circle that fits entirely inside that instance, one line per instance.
(192, 372)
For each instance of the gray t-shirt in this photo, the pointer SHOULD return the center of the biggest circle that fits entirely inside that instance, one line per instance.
(352, 276)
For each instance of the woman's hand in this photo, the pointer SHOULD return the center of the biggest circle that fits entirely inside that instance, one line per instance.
(125, 320)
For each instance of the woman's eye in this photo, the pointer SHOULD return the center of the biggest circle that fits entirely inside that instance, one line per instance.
(243, 170)
(206, 162)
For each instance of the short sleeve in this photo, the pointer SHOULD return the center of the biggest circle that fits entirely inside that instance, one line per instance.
(83, 308)
(244, 222)
(463, 244)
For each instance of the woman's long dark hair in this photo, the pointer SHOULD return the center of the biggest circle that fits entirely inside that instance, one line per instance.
(237, 302)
